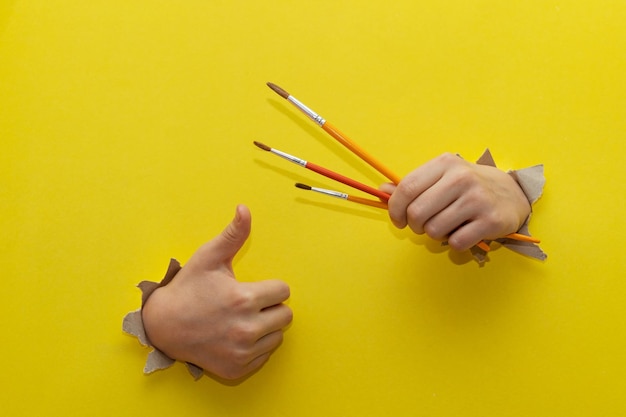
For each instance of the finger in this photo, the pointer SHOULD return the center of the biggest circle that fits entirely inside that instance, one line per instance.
(430, 205)
(269, 343)
(224, 247)
(267, 293)
(261, 352)
(466, 236)
(387, 187)
(449, 218)
(409, 189)
(258, 361)
(234, 371)
(275, 318)
(227, 244)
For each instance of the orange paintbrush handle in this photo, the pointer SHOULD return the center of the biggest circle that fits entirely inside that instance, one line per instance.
(522, 238)
(368, 202)
(515, 236)
(360, 152)
(335, 133)
(483, 245)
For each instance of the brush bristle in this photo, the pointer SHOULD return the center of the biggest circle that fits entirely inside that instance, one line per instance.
(262, 146)
(278, 90)
(303, 186)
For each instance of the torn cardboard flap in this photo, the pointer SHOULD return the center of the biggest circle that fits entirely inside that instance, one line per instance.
(531, 180)
(133, 325)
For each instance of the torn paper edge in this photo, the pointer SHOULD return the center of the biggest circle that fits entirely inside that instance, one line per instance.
(133, 325)
(531, 180)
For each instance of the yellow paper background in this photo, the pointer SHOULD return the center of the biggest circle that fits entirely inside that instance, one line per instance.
(126, 130)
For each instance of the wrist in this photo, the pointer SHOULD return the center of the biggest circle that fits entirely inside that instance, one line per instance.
(531, 181)
(155, 314)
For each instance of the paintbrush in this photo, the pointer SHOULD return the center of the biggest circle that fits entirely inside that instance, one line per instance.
(383, 205)
(344, 140)
(344, 196)
(335, 133)
(326, 172)
(379, 204)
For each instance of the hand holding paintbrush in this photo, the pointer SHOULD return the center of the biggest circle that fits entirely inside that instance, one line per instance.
(446, 198)
(451, 199)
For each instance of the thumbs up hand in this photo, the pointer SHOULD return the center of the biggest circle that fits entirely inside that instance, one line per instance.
(208, 318)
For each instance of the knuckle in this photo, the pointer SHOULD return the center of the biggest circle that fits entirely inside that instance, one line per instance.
(243, 334)
(240, 357)
(457, 243)
(231, 373)
(463, 178)
(448, 158)
(493, 222)
(242, 299)
(415, 219)
(407, 189)
(434, 231)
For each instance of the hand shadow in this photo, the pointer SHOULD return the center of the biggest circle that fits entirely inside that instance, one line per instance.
(432, 245)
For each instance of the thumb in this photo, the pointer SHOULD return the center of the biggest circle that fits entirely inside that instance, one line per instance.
(236, 233)
(387, 187)
(224, 247)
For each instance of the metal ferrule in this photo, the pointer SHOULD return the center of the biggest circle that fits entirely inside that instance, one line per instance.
(331, 192)
(314, 116)
(288, 157)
